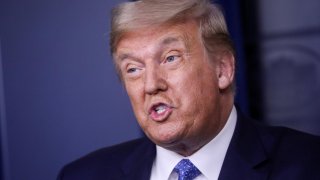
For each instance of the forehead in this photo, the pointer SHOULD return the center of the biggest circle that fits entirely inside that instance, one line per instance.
(155, 37)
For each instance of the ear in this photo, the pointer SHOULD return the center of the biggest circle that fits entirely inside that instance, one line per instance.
(225, 69)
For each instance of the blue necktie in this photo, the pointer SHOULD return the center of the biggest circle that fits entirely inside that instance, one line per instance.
(186, 170)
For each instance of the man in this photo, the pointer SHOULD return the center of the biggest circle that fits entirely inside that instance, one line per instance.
(177, 64)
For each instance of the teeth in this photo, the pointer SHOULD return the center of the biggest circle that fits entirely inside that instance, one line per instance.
(160, 109)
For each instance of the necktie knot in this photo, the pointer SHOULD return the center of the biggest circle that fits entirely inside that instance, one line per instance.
(186, 170)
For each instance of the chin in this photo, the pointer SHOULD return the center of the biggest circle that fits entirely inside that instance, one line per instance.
(165, 139)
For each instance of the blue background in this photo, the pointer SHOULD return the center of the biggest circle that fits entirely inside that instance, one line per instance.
(60, 97)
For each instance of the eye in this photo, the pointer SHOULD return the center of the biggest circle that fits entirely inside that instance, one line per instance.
(172, 58)
(132, 70)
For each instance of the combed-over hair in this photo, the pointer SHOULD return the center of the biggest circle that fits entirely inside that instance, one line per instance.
(141, 14)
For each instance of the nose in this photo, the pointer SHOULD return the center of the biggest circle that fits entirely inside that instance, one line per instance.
(155, 80)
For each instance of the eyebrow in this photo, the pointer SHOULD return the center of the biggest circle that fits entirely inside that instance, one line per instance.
(165, 41)
(123, 56)
(183, 39)
(169, 40)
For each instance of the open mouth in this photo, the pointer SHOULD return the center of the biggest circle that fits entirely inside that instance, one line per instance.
(160, 111)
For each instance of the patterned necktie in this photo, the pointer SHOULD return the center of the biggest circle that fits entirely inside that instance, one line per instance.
(186, 170)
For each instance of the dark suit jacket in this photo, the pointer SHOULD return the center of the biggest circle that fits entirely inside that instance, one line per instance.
(255, 153)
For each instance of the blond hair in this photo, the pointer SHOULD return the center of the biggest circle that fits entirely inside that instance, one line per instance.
(141, 14)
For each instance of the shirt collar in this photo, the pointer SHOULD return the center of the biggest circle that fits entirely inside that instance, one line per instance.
(208, 159)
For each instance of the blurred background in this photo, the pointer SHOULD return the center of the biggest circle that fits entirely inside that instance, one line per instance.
(60, 97)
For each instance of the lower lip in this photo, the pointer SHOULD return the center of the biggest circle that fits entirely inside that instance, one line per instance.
(162, 116)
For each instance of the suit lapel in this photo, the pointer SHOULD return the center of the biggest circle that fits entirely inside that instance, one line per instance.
(246, 157)
(138, 165)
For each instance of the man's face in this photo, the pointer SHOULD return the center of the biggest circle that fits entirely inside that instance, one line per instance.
(173, 85)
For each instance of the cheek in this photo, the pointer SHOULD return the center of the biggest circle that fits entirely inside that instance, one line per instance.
(197, 91)
(134, 88)
(135, 94)
(187, 95)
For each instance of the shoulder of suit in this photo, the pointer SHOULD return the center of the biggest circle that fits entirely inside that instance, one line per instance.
(290, 143)
(106, 158)
(115, 152)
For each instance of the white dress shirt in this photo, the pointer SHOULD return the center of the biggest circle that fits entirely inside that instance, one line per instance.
(208, 159)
